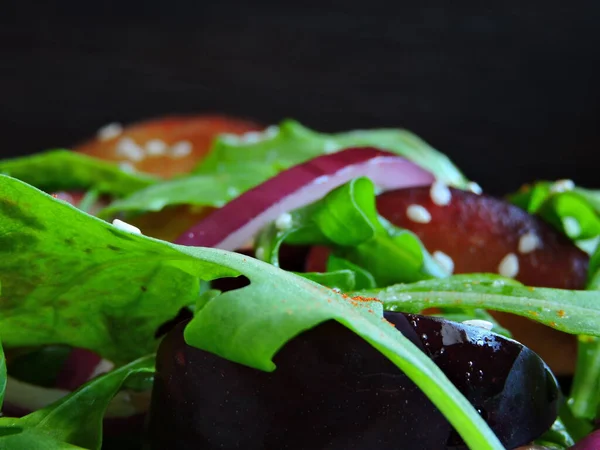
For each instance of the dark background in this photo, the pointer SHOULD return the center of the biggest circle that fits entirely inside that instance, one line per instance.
(508, 89)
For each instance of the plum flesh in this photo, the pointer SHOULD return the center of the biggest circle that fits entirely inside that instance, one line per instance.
(333, 391)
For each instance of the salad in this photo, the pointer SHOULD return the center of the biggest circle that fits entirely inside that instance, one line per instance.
(208, 282)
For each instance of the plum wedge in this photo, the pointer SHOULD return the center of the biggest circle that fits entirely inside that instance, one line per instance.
(479, 231)
(333, 391)
(167, 146)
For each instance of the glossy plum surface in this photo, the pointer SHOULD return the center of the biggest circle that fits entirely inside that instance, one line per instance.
(333, 391)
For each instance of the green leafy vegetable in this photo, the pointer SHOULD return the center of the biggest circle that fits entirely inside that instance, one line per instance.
(363, 278)
(347, 221)
(594, 271)
(58, 170)
(585, 393)
(2, 375)
(235, 165)
(75, 421)
(287, 304)
(292, 144)
(584, 398)
(214, 190)
(574, 212)
(556, 437)
(344, 280)
(574, 312)
(69, 278)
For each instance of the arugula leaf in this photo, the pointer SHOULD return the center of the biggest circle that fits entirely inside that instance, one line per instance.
(584, 398)
(69, 278)
(346, 220)
(248, 325)
(574, 312)
(3, 375)
(344, 280)
(575, 212)
(236, 164)
(363, 278)
(557, 437)
(594, 271)
(199, 190)
(75, 421)
(291, 144)
(58, 170)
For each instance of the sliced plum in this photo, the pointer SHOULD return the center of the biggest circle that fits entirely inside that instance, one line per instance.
(167, 146)
(333, 391)
(478, 232)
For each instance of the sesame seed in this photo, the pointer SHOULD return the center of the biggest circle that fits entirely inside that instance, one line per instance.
(181, 149)
(251, 137)
(284, 221)
(485, 324)
(124, 226)
(528, 242)
(509, 266)
(440, 193)
(229, 138)
(589, 245)
(259, 253)
(330, 147)
(129, 149)
(110, 131)
(418, 213)
(562, 186)
(271, 131)
(444, 260)
(571, 226)
(498, 283)
(156, 147)
(474, 188)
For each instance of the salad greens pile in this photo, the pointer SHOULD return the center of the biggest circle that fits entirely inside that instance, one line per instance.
(236, 164)
(68, 278)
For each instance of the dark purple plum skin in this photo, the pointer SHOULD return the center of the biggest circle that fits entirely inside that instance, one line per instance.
(333, 391)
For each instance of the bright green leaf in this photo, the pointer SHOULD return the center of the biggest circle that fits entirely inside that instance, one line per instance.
(58, 170)
(2, 375)
(69, 278)
(199, 190)
(346, 220)
(575, 312)
(291, 144)
(74, 420)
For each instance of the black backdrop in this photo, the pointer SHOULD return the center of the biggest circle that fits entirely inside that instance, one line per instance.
(508, 89)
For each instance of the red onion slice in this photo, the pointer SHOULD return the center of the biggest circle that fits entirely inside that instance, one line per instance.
(230, 227)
